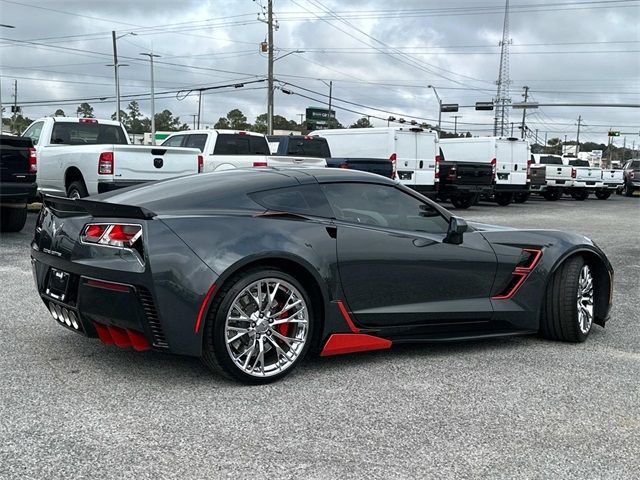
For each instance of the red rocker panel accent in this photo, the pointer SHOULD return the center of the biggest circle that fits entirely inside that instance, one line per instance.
(340, 343)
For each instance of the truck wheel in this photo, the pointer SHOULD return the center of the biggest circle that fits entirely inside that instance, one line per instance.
(603, 194)
(551, 195)
(503, 199)
(77, 190)
(579, 194)
(521, 197)
(12, 219)
(628, 190)
(463, 201)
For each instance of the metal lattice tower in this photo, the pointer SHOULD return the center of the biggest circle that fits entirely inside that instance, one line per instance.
(502, 100)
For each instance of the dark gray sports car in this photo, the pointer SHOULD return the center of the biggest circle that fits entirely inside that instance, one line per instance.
(252, 269)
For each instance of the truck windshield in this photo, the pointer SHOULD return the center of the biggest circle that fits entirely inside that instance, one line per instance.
(237, 144)
(309, 147)
(549, 160)
(67, 133)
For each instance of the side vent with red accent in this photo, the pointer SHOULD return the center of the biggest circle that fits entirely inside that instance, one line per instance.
(520, 273)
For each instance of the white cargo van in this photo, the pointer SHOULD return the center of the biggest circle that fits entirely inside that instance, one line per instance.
(510, 156)
(415, 151)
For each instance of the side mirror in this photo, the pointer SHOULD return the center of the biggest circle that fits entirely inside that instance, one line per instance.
(457, 227)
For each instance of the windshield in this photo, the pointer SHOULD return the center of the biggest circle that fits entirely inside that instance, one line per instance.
(237, 144)
(67, 133)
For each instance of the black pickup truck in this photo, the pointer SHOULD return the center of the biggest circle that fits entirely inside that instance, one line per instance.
(313, 146)
(462, 183)
(18, 169)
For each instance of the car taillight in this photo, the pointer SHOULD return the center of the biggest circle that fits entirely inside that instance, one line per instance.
(112, 234)
(33, 160)
(105, 163)
(200, 164)
(631, 175)
(88, 120)
(344, 165)
(259, 164)
(437, 171)
(452, 174)
(494, 162)
(573, 173)
(394, 161)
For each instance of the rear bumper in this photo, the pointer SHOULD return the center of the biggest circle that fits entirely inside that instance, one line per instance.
(559, 183)
(511, 188)
(453, 189)
(104, 187)
(587, 184)
(16, 192)
(424, 189)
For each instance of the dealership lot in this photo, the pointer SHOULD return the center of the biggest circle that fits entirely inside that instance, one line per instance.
(515, 407)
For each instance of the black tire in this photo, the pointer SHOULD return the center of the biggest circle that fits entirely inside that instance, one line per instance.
(521, 197)
(603, 194)
(580, 194)
(463, 201)
(77, 189)
(559, 316)
(628, 190)
(215, 355)
(551, 195)
(503, 198)
(13, 219)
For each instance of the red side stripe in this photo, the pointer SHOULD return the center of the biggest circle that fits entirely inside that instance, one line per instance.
(347, 317)
(340, 343)
(203, 307)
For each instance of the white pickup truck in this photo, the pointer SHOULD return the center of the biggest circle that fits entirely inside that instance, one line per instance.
(557, 176)
(612, 180)
(78, 157)
(228, 149)
(586, 179)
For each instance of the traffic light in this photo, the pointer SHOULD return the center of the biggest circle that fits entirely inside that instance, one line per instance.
(613, 133)
(449, 107)
(484, 105)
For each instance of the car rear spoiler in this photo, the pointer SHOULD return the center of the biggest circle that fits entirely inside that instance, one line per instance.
(70, 207)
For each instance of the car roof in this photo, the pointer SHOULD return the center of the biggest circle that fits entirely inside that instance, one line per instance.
(331, 175)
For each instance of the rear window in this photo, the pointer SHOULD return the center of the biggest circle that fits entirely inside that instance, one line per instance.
(65, 133)
(308, 147)
(635, 164)
(579, 163)
(549, 160)
(236, 144)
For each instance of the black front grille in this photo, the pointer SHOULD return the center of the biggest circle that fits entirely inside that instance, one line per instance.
(159, 340)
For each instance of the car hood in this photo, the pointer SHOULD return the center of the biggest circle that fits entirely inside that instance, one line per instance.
(485, 227)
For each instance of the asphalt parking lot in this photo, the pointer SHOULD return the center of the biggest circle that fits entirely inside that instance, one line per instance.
(512, 408)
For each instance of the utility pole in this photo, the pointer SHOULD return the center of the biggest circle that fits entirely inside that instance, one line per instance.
(115, 72)
(512, 129)
(439, 104)
(270, 70)
(455, 123)
(578, 135)
(330, 98)
(199, 106)
(524, 110)
(194, 115)
(15, 105)
(536, 135)
(545, 140)
(151, 55)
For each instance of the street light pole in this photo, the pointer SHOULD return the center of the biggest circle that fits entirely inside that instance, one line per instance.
(151, 55)
(455, 123)
(439, 105)
(270, 70)
(115, 69)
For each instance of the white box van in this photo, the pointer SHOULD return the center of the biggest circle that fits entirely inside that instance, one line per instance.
(415, 151)
(510, 156)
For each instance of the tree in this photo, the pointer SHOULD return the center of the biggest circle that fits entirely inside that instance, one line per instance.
(59, 113)
(124, 119)
(553, 142)
(165, 121)
(19, 124)
(362, 122)
(134, 124)
(223, 124)
(237, 120)
(85, 110)
(279, 123)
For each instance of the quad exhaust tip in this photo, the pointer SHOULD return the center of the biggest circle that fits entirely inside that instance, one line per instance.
(64, 315)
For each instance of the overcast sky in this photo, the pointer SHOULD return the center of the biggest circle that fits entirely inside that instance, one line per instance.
(380, 55)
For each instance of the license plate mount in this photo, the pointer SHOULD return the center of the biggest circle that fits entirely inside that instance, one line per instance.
(58, 284)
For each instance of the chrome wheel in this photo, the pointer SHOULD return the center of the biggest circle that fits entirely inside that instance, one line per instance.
(585, 300)
(266, 327)
(74, 194)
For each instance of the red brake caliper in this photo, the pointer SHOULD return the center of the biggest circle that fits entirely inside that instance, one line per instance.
(283, 328)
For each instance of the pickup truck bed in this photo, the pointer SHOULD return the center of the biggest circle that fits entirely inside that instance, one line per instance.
(17, 181)
(462, 182)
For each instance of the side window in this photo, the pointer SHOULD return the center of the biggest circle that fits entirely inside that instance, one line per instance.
(175, 141)
(34, 131)
(196, 140)
(383, 206)
(302, 199)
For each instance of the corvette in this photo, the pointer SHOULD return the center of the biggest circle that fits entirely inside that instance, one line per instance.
(253, 269)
